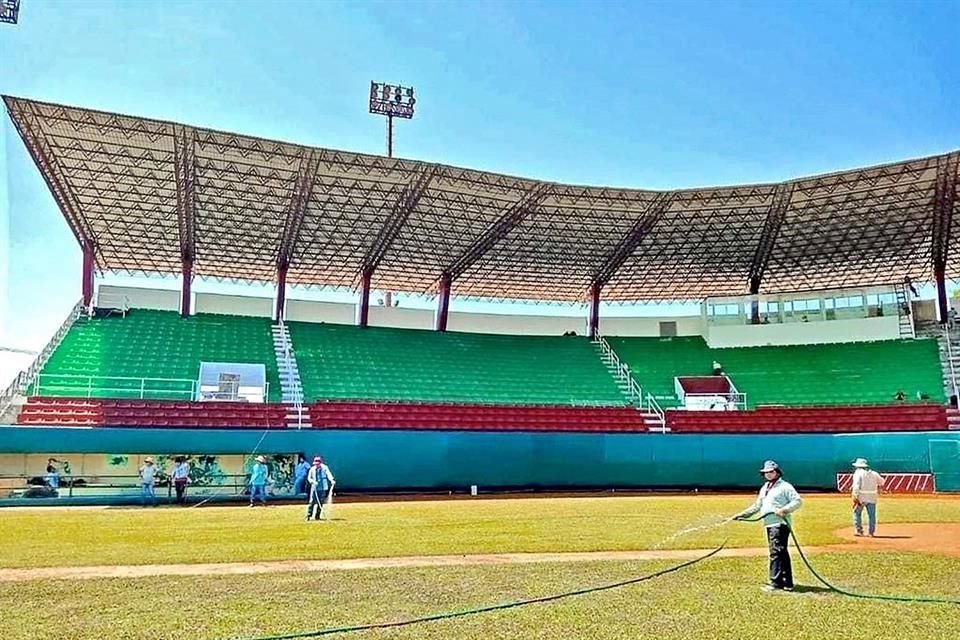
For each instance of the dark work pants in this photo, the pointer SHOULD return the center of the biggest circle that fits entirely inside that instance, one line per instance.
(180, 488)
(781, 573)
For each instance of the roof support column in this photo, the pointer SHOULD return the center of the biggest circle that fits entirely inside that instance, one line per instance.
(939, 275)
(443, 304)
(89, 262)
(776, 215)
(280, 311)
(185, 294)
(363, 311)
(754, 300)
(593, 324)
(185, 173)
(944, 199)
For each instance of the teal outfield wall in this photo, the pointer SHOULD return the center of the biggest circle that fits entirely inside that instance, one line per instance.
(456, 459)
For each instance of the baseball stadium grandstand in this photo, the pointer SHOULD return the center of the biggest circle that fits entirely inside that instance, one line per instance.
(810, 335)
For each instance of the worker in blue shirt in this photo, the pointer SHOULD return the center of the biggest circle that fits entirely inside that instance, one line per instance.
(776, 500)
(259, 476)
(300, 475)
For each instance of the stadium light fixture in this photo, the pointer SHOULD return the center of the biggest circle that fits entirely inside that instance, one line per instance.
(9, 11)
(392, 101)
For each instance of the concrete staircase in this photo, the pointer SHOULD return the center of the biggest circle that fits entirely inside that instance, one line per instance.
(298, 415)
(14, 396)
(953, 419)
(949, 343)
(653, 416)
(11, 410)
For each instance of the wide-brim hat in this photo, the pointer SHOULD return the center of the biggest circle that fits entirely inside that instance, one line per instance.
(861, 463)
(769, 465)
(148, 459)
(261, 459)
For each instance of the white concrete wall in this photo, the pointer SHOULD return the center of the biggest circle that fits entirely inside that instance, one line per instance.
(858, 329)
(650, 327)
(329, 312)
(514, 324)
(557, 325)
(233, 305)
(853, 330)
(400, 318)
(139, 298)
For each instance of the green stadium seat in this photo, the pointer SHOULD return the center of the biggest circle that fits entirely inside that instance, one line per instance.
(823, 374)
(154, 344)
(349, 363)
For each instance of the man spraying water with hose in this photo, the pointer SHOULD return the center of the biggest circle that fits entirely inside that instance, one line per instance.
(775, 502)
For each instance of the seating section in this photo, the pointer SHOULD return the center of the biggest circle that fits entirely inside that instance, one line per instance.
(805, 375)
(370, 415)
(459, 417)
(346, 362)
(918, 417)
(153, 344)
(151, 413)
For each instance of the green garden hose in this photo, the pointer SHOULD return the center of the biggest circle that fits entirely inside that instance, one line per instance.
(853, 594)
(496, 607)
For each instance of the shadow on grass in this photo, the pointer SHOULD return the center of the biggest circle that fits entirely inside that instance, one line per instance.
(803, 588)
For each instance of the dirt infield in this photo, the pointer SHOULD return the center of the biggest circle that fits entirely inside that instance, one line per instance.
(934, 538)
(939, 539)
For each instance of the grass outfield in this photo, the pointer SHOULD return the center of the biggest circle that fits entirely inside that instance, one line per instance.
(49, 538)
(716, 599)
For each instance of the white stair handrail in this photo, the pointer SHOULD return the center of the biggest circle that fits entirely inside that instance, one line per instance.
(633, 387)
(296, 388)
(622, 370)
(654, 407)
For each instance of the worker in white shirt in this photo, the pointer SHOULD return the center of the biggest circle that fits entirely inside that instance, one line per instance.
(866, 487)
(181, 476)
(148, 477)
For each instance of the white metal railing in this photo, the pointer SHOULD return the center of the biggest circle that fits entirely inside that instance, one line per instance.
(731, 400)
(234, 395)
(654, 407)
(953, 373)
(622, 371)
(633, 387)
(111, 301)
(78, 385)
(717, 401)
(295, 386)
(25, 378)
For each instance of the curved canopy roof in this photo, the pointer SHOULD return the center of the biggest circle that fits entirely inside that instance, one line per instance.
(147, 195)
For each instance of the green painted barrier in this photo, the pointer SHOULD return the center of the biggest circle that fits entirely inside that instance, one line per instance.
(384, 460)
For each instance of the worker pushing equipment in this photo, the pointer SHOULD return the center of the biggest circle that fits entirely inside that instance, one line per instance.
(321, 489)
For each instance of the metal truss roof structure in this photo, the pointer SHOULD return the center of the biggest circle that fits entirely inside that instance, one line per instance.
(147, 196)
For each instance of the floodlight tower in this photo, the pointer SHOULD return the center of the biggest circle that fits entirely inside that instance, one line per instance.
(9, 10)
(393, 101)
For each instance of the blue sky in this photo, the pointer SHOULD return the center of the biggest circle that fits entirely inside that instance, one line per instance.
(644, 94)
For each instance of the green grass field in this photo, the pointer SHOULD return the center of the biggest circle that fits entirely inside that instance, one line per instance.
(718, 598)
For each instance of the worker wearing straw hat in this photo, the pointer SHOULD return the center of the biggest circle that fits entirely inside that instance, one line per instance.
(259, 476)
(776, 500)
(148, 478)
(865, 490)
